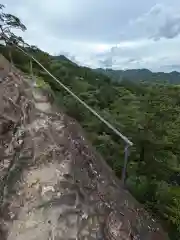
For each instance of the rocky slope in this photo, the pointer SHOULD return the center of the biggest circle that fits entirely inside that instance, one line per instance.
(53, 184)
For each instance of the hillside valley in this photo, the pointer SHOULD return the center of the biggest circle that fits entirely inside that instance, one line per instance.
(61, 168)
(147, 113)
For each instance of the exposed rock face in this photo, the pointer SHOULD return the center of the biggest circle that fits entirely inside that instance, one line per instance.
(52, 184)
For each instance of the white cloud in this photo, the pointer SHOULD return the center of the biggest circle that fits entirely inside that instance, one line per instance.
(113, 33)
(142, 54)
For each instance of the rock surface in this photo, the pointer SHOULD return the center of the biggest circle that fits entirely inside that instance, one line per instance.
(53, 185)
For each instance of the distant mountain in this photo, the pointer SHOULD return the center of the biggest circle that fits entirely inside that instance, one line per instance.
(137, 75)
(64, 60)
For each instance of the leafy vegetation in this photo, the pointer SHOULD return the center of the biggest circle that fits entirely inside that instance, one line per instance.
(149, 114)
(139, 75)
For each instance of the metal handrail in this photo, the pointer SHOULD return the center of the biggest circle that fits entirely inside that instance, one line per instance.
(124, 138)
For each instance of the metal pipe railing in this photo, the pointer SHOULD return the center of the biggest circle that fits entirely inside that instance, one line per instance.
(117, 132)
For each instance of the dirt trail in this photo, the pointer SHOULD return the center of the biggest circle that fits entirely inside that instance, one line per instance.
(53, 185)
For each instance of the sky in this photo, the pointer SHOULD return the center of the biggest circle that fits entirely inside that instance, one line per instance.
(118, 34)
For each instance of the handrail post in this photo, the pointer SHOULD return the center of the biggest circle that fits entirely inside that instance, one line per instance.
(10, 58)
(31, 69)
(31, 73)
(126, 155)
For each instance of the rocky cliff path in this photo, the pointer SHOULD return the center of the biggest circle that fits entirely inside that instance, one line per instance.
(53, 185)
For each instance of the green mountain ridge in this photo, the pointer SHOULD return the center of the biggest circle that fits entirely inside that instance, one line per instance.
(138, 75)
(148, 114)
(133, 75)
(144, 106)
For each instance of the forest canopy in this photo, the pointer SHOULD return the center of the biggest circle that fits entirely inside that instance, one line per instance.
(147, 112)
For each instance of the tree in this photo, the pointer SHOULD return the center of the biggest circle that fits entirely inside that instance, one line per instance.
(148, 113)
(8, 22)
